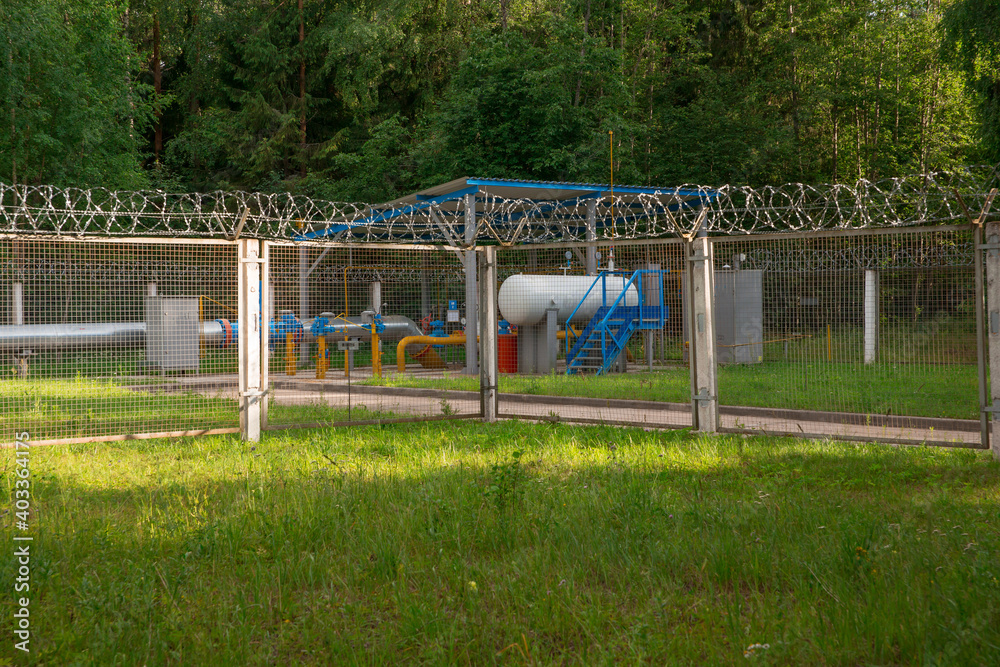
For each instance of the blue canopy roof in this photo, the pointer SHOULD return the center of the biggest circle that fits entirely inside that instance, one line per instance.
(512, 208)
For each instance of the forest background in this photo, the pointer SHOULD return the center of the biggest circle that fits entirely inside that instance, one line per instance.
(369, 99)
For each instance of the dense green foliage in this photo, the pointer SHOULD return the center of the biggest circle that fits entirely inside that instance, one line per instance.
(74, 112)
(973, 41)
(366, 99)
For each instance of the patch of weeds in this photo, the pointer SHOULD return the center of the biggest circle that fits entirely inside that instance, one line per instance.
(440, 514)
(383, 448)
(505, 488)
(446, 409)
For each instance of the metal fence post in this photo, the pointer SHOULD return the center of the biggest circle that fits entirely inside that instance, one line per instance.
(489, 368)
(251, 333)
(701, 332)
(871, 316)
(992, 259)
(471, 296)
(267, 314)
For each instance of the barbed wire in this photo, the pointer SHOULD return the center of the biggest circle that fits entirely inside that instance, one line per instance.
(926, 199)
(863, 257)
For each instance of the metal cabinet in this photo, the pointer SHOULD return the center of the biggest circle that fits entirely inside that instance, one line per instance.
(172, 332)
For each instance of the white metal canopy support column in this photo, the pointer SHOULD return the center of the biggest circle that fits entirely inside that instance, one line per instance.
(489, 365)
(550, 346)
(425, 285)
(591, 236)
(449, 234)
(303, 299)
(471, 290)
(992, 259)
(652, 285)
(303, 283)
(251, 333)
(701, 324)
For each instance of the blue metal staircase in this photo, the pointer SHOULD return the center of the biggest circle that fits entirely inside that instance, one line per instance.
(609, 330)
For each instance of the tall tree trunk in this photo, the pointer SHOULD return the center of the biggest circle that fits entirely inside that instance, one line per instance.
(302, 88)
(13, 116)
(873, 152)
(192, 97)
(857, 137)
(926, 122)
(157, 89)
(895, 131)
(128, 78)
(795, 86)
(583, 54)
(835, 116)
(834, 112)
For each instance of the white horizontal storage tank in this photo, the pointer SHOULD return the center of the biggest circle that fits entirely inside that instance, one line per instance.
(523, 299)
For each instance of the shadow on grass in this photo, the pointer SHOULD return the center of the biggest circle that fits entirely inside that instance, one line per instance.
(441, 543)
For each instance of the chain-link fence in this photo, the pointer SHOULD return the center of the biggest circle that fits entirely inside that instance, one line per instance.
(594, 334)
(368, 334)
(855, 334)
(868, 335)
(859, 335)
(104, 340)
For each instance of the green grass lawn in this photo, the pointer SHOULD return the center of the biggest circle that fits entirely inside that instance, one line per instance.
(509, 544)
(916, 389)
(321, 413)
(55, 409)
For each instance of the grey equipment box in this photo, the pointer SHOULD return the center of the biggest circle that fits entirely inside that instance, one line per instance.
(172, 332)
(739, 316)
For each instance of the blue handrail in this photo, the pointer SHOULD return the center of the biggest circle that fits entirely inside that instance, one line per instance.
(569, 326)
(637, 279)
(604, 303)
(622, 294)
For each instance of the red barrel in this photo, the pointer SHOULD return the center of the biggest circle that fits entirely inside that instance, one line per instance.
(507, 353)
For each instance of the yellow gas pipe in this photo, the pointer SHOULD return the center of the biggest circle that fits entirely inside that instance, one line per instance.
(376, 355)
(454, 339)
(289, 353)
(322, 363)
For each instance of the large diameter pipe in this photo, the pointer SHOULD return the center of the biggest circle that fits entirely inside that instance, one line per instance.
(396, 328)
(95, 335)
(215, 333)
(71, 336)
(524, 299)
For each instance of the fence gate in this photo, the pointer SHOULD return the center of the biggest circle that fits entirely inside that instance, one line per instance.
(576, 347)
(867, 335)
(370, 334)
(114, 339)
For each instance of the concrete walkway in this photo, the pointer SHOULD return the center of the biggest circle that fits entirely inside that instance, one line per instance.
(404, 402)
